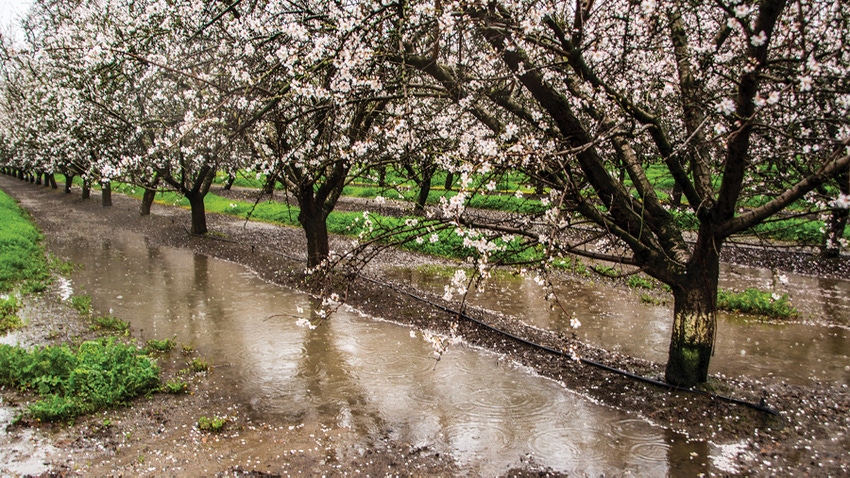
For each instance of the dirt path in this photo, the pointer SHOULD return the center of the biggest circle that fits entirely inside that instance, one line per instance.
(158, 434)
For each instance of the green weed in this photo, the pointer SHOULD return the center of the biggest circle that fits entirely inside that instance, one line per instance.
(198, 365)
(757, 302)
(214, 424)
(164, 345)
(9, 319)
(175, 387)
(109, 323)
(97, 375)
(640, 282)
(82, 304)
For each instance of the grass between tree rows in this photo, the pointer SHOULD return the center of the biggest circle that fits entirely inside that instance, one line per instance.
(449, 244)
(70, 380)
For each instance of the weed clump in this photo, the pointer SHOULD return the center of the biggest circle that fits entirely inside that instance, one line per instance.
(99, 374)
(164, 345)
(214, 424)
(9, 319)
(82, 304)
(757, 302)
(109, 323)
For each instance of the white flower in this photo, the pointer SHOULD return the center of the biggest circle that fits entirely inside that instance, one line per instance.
(434, 238)
(594, 55)
(648, 7)
(806, 83)
(759, 40)
(775, 296)
(773, 98)
(720, 128)
(380, 199)
(742, 11)
(842, 202)
(491, 186)
(574, 323)
(727, 106)
(783, 279)
(412, 334)
(759, 100)
(305, 323)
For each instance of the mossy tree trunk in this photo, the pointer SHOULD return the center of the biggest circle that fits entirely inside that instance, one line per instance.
(694, 317)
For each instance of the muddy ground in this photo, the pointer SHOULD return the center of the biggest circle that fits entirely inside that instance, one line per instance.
(158, 436)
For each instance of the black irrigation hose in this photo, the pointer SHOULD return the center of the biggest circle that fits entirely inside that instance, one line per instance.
(755, 406)
(624, 373)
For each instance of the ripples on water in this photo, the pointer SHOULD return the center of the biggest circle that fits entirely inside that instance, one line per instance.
(373, 377)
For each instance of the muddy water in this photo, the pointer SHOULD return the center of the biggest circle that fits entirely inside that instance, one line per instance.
(373, 377)
(617, 320)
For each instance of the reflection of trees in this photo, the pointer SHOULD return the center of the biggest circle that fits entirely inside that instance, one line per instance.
(330, 386)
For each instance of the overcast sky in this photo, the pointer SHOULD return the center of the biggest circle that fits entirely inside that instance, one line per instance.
(11, 11)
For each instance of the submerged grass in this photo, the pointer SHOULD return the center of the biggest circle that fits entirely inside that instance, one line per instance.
(757, 302)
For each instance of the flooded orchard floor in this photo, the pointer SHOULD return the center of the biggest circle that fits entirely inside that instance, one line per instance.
(373, 377)
(800, 352)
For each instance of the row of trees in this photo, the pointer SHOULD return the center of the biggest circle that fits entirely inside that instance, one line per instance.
(744, 104)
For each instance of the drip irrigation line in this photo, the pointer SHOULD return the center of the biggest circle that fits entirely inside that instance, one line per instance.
(658, 383)
(755, 406)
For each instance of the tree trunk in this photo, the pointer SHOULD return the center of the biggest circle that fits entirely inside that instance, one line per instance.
(147, 202)
(422, 197)
(694, 318)
(834, 233)
(69, 181)
(51, 180)
(837, 222)
(229, 183)
(38, 178)
(86, 188)
(312, 219)
(106, 194)
(450, 178)
(199, 216)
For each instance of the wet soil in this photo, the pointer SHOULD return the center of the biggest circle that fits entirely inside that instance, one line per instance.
(158, 436)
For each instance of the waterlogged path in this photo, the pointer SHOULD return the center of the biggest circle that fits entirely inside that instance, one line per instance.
(374, 377)
(615, 319)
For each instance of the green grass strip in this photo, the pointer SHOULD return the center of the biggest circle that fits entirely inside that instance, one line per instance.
(22, 258)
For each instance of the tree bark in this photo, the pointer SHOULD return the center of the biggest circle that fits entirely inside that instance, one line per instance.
(229, 182)
(424, 190)
(837, 221)
(50, 179)
(313, 220)
(450, 178)
(69, 180)
(694, 317)
(199, 216)
(106, 194)
(147, 202)
(86, 188)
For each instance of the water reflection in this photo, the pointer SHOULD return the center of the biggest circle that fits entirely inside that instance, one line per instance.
(617, 320)
(372, 377)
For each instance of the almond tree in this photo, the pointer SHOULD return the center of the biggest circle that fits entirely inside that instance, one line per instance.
(743, 104)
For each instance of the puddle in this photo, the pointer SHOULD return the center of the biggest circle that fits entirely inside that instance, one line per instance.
(616, 319)
(372, 377)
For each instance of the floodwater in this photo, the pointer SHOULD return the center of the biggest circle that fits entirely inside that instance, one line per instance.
(616, 319)
(374, 377)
